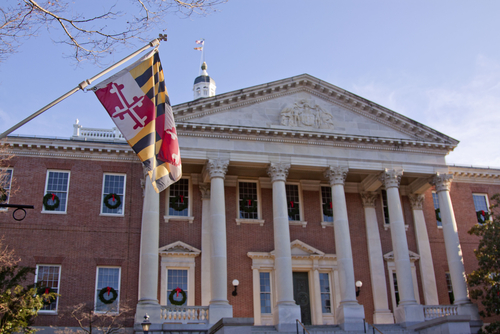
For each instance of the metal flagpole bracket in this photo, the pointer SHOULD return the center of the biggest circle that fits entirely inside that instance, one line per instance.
(20, 208)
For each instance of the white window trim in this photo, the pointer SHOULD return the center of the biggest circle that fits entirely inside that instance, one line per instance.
(10, 186)
(119, 289)
(300, 222)
(239, 220)
(67, 192)
(330, 281)
(391, 268)
(123, 196)
(487, 203)
(178, 255)
(437, 225)
(189, 218)
(388, 226)
(323, 223)
(58, 287)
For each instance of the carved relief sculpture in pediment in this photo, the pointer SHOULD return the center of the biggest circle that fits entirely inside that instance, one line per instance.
(305, 113)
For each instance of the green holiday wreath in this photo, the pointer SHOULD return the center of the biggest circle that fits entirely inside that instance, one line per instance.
(327, 209)
(115, 198)
(292, 209)
(107, 290)
(55, 201)
(43, 292)
(178, 203)
(248, 205)
(177, 302)
(482, 216)
(438, 214)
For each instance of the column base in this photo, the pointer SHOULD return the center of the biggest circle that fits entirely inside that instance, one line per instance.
(350, 317)
(408, 315)
(285, 317)
(151, 308)
(219, 311)
(383, 317)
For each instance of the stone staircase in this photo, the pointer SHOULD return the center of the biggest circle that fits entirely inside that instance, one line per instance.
(335, 329)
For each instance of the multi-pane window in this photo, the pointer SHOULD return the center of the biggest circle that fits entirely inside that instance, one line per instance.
(450, 288)
(56, 191)
(113, 194)
(481, 207)
(396, 291)
(47, 280)
(248, 200)
(107, 289)
(5, 184)
(327, 204)
(265, 292)
(178, 204)
(324, 284)
(435, 199)
(293, 202)
(385, 207)
(177, 278)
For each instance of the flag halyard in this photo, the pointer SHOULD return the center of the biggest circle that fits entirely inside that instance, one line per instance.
(137, 100)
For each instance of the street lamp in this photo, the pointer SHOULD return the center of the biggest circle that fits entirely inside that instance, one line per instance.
(145, 324)
(359, 284)
(235, 284)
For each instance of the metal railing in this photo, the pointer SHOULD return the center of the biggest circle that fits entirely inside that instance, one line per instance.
(437, 311)
(304, 330)
(185, 314)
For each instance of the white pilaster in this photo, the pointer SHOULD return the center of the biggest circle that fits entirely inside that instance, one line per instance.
(148, 261)
(286, 311)
(408, 312)
(318, 310)
(219, 306)
(451, 241)
(256, 297)
(382, 314)
(205, 245)
(424, 249)
(349, 314)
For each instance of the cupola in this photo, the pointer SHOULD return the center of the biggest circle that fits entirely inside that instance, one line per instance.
(204, 85)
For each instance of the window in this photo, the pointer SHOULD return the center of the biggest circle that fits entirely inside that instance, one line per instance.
(178, 204)
(324, 284)
(436, 209)
(265, 292)
(293, 202)
(450, 288)
(326, 204)
(385, 207)
(57, 185)
(47, 277)
(5, 184)
(205, 90)
(113, 193)
(177, 278)
(481, 206)
(106, 279)
(396, 291)
(248, 200)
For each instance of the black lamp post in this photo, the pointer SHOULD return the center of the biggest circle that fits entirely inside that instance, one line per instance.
(358, 287)
(235, 284)
(145, 324)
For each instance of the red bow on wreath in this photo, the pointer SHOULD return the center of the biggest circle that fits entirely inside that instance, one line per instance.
(113, 195)
(331, 205)
(109, 290)
(482, 213)
(291, 204)
(177, 290)
(249, 202)
(53, 196)
(47, 291)
(182, 201)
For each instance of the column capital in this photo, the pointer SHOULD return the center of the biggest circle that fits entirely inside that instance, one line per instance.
(205, 190)
(217, 167)
(336, 174)
(391, 178)
(278, 171)
(442, 182)
(369, 199)
(417, 201)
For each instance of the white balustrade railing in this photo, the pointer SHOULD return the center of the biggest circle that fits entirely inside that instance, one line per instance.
(185, 314)
(437, 311)
(82, 133)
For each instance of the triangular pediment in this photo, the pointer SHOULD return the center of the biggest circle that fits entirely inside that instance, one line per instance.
(178, 248)
(299, 248)
(390, 256)
(304, 107)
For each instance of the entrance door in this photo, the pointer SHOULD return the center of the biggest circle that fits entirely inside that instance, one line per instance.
(301, 296)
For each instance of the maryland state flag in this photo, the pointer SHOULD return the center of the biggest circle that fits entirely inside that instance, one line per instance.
(137, 101)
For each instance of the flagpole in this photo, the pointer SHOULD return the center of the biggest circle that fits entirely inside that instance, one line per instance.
(84, 84)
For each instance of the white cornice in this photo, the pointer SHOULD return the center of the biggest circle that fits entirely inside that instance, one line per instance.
(475, 175)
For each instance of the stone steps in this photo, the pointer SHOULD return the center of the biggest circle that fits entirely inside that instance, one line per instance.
(335, 329)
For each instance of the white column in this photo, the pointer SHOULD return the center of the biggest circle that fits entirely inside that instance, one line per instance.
(350, 314)
(148, 261)
(205, 245)
(382, 314)
(408, 312)
(286, 311)
(451, 241)
(424, 249)
(219, 306)
(318, 309)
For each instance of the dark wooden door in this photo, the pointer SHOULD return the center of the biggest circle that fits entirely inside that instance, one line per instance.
(301, 296)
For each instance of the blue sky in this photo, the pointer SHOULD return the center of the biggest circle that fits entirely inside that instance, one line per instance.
(437, 62)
